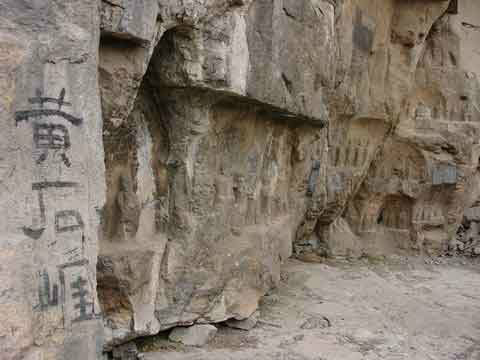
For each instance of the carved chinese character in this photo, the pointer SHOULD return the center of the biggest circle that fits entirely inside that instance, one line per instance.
(26, 115)
(81, 295)
(49, 136)
(68, 220)
(48, 296)
(36, 232)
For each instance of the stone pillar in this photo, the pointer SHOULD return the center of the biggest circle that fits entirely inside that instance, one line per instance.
(52, 178)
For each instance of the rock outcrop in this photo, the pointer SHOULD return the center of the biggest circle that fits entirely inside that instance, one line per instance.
(225, 164)
(51, 178)
(426, 174)
(159, 159)
(196, 335)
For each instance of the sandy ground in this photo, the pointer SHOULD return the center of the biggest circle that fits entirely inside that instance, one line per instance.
(393, 309)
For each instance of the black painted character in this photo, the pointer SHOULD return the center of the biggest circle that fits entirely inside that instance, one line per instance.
(65, 220)
(86, 307)
(49, 136)
(47, 297)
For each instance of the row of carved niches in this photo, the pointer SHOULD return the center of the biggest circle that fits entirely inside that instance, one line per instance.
(354, 140)
(444, 97)
(353, 154)
(463, 111)
(399, 160)
(393, 212)
(257, 163)
(247, 168)
(444, 91)
(434, 174)
(399, 212)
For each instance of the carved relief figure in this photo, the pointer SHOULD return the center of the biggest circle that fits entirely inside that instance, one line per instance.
(397, 214)
(129, 207)
(469, 111)
(51, 138)
(423, 116)
(355, 154)
(429, 213)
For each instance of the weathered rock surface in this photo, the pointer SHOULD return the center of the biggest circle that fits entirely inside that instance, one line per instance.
(196, 335)
(426, 173)
(222, 161)
(245, 324)
(401, 309)
(235, 133)
(126, 351)
(52, 183)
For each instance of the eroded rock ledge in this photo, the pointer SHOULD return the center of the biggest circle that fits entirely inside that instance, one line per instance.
(235, 133)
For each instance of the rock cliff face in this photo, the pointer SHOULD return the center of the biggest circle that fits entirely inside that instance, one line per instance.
(159, 159)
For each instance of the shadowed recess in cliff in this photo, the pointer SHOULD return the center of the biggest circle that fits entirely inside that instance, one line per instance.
(198, 179)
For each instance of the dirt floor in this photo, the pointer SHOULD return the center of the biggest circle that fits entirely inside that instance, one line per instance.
(374, 308)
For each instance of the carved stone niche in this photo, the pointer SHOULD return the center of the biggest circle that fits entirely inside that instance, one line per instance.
(129, 208)
(396, 213)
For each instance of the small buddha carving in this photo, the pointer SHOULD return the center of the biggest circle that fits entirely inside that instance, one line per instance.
(423, 116)
(129, 207)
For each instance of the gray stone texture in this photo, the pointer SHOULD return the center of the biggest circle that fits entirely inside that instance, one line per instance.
(171, 154)
(196, 335)
(52, 179)
(244, 324)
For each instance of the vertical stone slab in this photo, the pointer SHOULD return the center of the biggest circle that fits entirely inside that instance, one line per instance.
(52, 176)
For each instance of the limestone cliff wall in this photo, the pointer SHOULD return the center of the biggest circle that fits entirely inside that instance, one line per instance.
(51, 179)
(159, 159)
